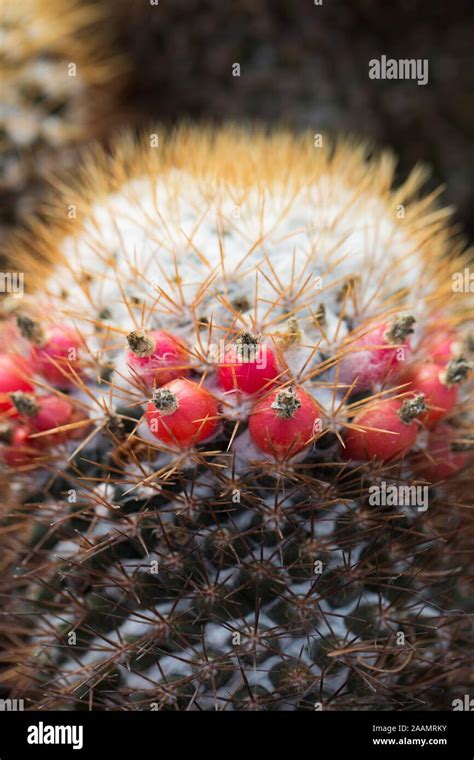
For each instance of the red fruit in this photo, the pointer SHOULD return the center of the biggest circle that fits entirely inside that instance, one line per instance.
(439, 385)
(46, 413)
(284, 422)
(377, 354)
(14, 372)
(182, 413)
(157, 357)
(445, 455)
(443, 346)
(248, 366)
(20, 449)
(443, 351)
(390, 430)
(54, 351)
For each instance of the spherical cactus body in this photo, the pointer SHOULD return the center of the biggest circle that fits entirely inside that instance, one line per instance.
(237, 535)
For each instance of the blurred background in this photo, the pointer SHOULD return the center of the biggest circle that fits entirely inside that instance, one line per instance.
(304, 65)
(307, 65)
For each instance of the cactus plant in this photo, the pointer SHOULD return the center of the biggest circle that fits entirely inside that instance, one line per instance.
(231, 557)
(59, 79)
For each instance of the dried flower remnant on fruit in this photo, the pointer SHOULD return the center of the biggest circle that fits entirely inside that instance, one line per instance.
(400, 328)
(286, 403)
(412, 408)
(25, 403)
(456, 372)
(165, 401)
(140, 343)
(30, 329)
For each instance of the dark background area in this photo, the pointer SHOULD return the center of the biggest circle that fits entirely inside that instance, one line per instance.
(307, 66)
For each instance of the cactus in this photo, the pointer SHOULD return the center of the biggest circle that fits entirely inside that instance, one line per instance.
(59, 80)
(200, 542)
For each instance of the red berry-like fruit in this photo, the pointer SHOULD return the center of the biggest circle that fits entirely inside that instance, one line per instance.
(439, 385)
(18, 449)
(445, 454)
(249, 365)
(389, 430)
(378, 354)
(157, 357)
(14, 373)
(55, 352)
(284, 422)
(46, 413)
(440, 347)
(182, 413)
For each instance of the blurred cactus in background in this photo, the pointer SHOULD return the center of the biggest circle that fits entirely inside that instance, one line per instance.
(60, 76)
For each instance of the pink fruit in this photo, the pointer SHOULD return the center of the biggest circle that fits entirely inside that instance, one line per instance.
(445, 455)
(182, 413)
(439, 385)
(377, 354)
(390, 430)
(441, 348)
(249, 365)
(444, 345)
(284, 422)
(19, 448)
(54, 351)
(14, 373)
(157, 357)
(46, 413)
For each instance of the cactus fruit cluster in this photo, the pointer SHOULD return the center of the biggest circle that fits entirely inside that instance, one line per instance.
(234, 340)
